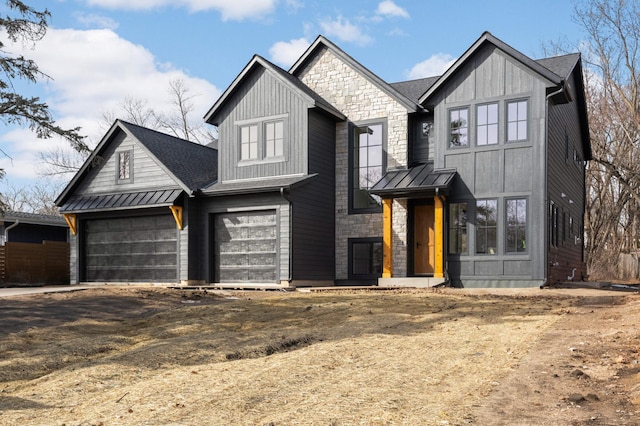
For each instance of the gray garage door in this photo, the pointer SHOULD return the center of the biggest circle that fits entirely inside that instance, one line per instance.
(132, 249)
(246, 247)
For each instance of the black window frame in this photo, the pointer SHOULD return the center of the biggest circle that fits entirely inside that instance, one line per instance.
(353, 127)
(370, 241)
(458, 229)
(450, 131)
(487, 124)
(485, 228)
(129, 154)
(527, 120)
(524, 249)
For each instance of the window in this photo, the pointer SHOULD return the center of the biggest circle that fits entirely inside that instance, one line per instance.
(458, 228)
(458, 128)
(249, 142)
(553, 224)
(367, 166)
(487, 128)
(486, 226)
(124, 166)
(517, 121)
(516, 226)
(365, 258)
(274, 139)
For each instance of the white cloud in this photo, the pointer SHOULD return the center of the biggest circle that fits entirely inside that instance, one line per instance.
(344, 30)
(93, 71)
(389, 8)
(236, 10)
(434, 66)
(286, 53)
(92, 20)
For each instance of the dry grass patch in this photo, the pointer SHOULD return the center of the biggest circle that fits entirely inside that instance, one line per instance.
(403, 357)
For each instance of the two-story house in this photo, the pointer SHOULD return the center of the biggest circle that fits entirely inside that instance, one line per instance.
(326, 174)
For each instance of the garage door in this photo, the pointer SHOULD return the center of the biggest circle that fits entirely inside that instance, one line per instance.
(138, 249)
(246, 247)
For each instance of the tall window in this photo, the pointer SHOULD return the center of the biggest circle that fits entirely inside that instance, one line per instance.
(365, 258)
(486, 226)
(458, 228)
(459, 127)
(249, 142)
(124, 165)
(367, 165)
(487, 128)
(553, 224)
(274, 139)
(516, 226)
(517, 121)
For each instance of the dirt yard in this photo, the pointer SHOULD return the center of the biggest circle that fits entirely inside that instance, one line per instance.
(147, 355)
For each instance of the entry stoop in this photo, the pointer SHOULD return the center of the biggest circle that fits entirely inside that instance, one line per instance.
(415, 282)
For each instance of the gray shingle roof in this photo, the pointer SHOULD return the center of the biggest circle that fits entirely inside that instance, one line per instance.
(194, 164)
(560, 65)
(414, 89)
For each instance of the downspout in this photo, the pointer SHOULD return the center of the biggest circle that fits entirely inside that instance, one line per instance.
(8, 228)
(545, 185)
(286, 198)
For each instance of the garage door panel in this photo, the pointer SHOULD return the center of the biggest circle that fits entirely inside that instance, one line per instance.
(131, 249)
(246, 247)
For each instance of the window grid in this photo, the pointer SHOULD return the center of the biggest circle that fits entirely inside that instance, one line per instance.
(365, 257)
(516, 226)
(458, 228)
(459, 127)
(249, 142)
(274, 139)
(517, 121)
(486, 226)
(487, 124)
(367, 165)
(124, 165)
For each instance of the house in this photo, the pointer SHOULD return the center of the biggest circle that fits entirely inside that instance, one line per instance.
(34, 228)
(130, 205)
(326, 174)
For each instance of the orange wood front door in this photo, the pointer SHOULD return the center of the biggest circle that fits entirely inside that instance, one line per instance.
(424, 240)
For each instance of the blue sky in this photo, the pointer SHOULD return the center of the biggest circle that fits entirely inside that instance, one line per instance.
(99, 52)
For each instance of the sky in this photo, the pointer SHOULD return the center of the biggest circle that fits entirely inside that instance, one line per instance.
(98, 53)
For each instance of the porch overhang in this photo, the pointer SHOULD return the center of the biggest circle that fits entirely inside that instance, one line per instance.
(120, 201)
(416, 181)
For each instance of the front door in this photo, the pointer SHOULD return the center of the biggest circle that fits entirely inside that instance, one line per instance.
(423, 239)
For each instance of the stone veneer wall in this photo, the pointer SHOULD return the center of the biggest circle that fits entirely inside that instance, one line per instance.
(359, 99)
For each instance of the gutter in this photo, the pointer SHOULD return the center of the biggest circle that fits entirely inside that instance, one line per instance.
(286, 198)
(8, 228)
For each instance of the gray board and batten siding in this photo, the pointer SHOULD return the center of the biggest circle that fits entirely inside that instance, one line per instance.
(313, 207)
(566, 158)
(501, 171)
(249, 106)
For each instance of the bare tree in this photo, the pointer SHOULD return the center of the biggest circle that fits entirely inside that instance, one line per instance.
(612, 55)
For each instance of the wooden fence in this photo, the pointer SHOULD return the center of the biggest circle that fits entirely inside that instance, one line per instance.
(26, 263)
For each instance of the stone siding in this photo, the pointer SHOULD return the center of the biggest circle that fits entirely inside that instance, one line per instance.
(359, 99)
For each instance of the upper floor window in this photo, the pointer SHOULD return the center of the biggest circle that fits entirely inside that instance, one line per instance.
(274, 138)
(486, 226)
(487, 124)
(459, 127)
(517, 118)
(367, 166)
(516, 226)
(124, 166)
(249, 142)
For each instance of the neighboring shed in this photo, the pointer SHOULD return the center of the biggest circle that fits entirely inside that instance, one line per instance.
(33, 249)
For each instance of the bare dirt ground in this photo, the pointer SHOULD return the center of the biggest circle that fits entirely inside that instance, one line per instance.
(153, 356)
